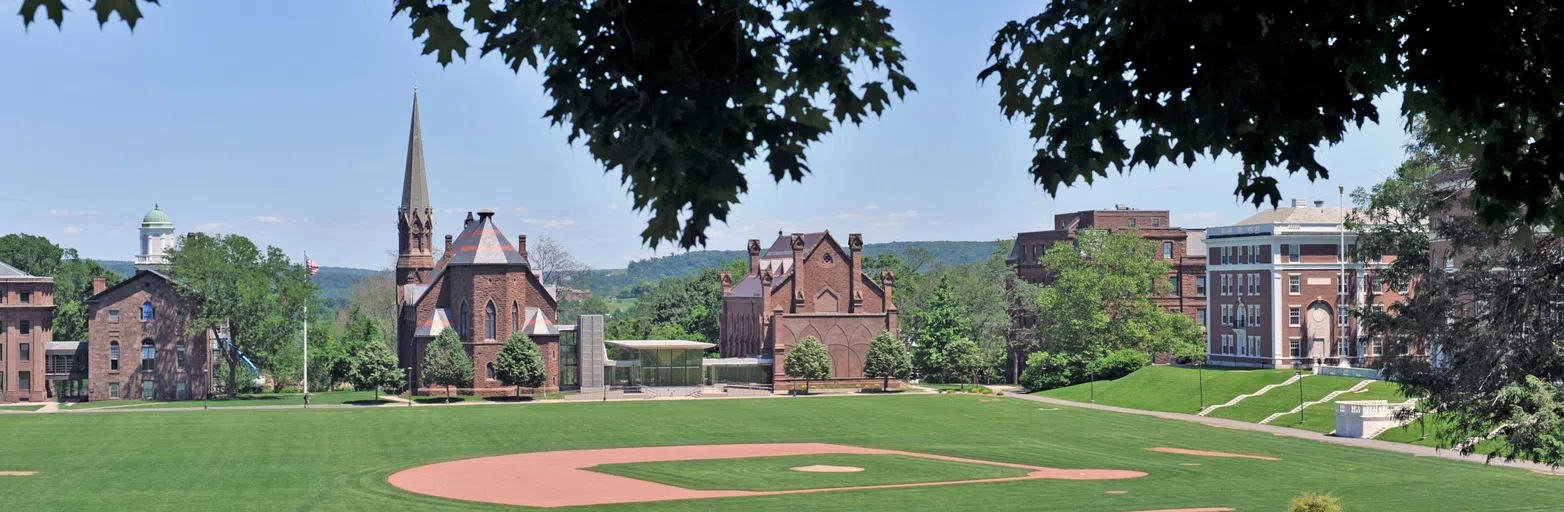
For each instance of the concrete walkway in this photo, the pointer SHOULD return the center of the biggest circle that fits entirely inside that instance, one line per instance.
(1410, 449)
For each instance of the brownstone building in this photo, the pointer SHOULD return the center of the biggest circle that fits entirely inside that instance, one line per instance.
(138, 345)
(806, 285)
(26, 328)
(1283, 288)
(482, 286)
(1182, 248)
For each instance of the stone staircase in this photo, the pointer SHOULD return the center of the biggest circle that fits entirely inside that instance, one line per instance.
(1479, 439)
(1356, 388)
(1239, 398)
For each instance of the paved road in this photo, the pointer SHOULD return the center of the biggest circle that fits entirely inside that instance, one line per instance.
(1410, 449)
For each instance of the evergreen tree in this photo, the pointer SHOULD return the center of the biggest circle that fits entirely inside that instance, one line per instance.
(446, 363)
(940, 322)
(520, 364)
(809, 360)
(375, 368)
(888, 357)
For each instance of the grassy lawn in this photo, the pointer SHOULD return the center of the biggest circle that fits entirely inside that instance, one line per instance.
(1170, 389)
(1322, 417)
(17, 408)
(339, 459)
(442, 399)
(1283, 399)
(775, 473)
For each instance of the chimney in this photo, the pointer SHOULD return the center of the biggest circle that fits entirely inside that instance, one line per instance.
(521, 246)
(1300, 203)
(798, 251)
(727, 282)
(99, 284)
(754, 257)
(485, 214)
(467, 222)
(1319, 203)
(765, 287)
(447, 246)
(855, 252)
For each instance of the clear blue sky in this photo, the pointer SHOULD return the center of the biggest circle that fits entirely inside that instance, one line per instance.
(287, 121)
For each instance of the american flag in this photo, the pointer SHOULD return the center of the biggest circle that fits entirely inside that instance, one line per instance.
(310, 265)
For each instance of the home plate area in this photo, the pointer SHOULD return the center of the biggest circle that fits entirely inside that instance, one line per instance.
(631, 475)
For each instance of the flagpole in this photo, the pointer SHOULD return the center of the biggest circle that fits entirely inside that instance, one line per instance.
(1341, 259)
(306, 339)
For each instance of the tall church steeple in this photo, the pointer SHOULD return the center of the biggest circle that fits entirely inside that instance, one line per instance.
(415, 218)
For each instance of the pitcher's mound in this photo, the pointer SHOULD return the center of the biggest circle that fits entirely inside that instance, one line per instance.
(825, 468)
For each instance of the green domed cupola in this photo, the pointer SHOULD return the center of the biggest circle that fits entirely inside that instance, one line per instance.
(156, 219)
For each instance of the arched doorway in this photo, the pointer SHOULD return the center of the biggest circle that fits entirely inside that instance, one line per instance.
(1317, 327)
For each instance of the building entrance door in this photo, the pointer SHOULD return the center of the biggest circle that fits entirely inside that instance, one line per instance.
(1318, 325)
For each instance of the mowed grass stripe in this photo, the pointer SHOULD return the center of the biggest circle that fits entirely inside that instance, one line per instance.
(338, 459)
(776, 473)
(1171, 389)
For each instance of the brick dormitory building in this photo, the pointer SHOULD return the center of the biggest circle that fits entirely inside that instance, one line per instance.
(1182, 248)
(1282, 290)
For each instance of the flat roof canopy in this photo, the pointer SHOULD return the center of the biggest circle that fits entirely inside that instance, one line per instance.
(660, 344)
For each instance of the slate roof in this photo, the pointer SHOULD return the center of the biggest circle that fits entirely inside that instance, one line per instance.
(784, 244)
(749, 286)
(483, 244)
(538, 324)
(10, 271)
(436, 324)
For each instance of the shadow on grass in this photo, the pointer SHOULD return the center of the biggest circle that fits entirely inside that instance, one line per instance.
(439, 400)
(878, 391)
(508, 399)
(367, 402)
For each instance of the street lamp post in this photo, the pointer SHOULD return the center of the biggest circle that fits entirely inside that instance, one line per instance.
(1300, 398)
(1093, 385)
(409, 386)
(1200, 368)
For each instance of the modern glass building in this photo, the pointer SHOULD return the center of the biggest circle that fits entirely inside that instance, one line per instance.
(655, 363)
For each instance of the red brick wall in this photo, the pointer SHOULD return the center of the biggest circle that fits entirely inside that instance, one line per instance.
(847, 337)
(39, 315)
(166, 331)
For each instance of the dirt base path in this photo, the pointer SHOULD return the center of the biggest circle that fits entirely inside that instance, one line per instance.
(560, 479)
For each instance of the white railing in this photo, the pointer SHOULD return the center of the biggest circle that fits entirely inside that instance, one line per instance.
(1367, 418)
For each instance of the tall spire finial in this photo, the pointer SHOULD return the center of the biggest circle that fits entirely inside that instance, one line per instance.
(415, 187)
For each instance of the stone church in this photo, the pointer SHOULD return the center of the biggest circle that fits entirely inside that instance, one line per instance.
(482, 286)
(807, 285)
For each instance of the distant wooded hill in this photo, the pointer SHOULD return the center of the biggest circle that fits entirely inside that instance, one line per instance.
(333, 281)
(610, 282)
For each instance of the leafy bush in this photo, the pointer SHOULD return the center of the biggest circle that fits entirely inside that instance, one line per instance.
(1118, 364)
(1314, 502)
(1047, 371)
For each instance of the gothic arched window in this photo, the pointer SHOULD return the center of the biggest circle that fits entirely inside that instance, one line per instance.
(147, 314)
(515, 317)
(465, 321)
(488, 321)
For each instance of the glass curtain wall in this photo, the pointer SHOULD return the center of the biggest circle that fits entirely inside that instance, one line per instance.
(569, 360)
(670, 367)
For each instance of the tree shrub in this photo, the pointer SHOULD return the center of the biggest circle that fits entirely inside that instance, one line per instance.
(1118, 364)
(1047, 371)
(1314, 502)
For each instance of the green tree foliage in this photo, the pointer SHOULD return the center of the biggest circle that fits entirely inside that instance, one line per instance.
(809, 360)
(570, 311)
(226, 281)
(1270, 84)
(888, 357)
(1099, 298)
(1046, 370)
(1117, 364)
(72, 288)
(941, 322)
(446, 363)
(32, 254)
(520, 364)
(372, 297)
(964, 359)
(680, 96)
(677, 308)
(375, 367)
